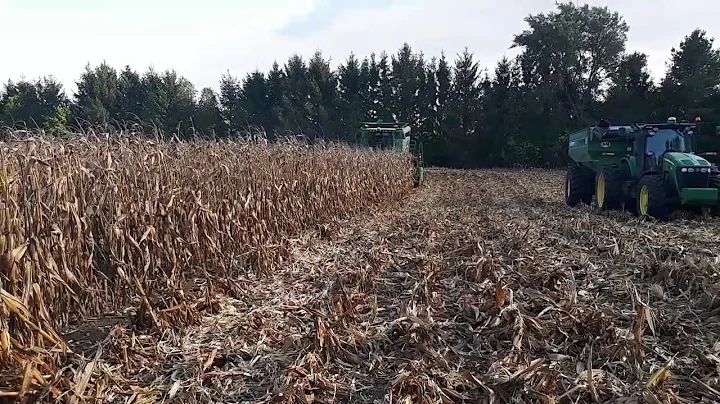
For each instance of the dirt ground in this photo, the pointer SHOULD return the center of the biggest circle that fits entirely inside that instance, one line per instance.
(480, 287)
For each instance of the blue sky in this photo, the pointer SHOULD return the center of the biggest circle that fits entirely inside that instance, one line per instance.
(204, 39)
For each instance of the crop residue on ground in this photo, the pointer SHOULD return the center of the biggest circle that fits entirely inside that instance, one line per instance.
(482, 286)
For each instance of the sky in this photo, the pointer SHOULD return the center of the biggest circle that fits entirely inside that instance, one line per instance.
(203, 39)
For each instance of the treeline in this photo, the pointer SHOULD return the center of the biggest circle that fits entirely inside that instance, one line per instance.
(573, 69)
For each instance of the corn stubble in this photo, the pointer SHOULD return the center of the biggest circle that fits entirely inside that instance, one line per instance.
(92, 226)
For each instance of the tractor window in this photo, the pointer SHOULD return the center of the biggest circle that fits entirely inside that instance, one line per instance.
(665, 140)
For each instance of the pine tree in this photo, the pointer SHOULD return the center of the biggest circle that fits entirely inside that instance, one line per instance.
(372, 95)
(630, 96)
(276, 83)
(208, 120)
(131, 97)
(322, 99)
(694, 75)
(96, 99)
(33, 104)
(503, 115)
(296, 108)
(427, 100)
(404, 82)
(353, 89)
(387, 101)
(437, 151)
(464, 112)
(230, 100)
(255, 101)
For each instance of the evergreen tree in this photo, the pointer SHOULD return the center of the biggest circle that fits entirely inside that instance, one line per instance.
(131, 96)
(322, 99)
(693, 78)
(96, 99)
(502, 114)
(437, 150)
(386, 100)
(427, 99)
(230, 103)
(372, 95)
(208, 120)
(631, 94)
(276, 83)
(34, 104)
(405, 86)
(353, 89)
(464, 114)
(295, 104)
(255, 101)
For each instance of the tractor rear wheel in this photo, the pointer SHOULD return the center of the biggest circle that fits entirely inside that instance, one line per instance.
(715, 183)
(608, 189)
(578, 186)
(652, 197)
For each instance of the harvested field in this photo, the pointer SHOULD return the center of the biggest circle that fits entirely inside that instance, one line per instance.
(480, 287)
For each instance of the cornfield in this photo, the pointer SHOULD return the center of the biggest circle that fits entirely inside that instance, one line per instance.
(245, 272)
(90, 227)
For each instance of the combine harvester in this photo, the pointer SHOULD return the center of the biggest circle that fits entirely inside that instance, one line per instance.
(648, 169)
(396, 136)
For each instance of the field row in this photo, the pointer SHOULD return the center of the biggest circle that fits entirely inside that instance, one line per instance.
(481, 287)
(91, 227)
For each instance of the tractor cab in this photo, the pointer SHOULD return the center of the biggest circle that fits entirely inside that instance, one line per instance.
(656, 142)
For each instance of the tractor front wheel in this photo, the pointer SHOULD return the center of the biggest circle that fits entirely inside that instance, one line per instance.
(608, 189)
(652, 197)
(578, 186)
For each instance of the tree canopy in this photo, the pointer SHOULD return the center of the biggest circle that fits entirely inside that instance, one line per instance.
(573, 69)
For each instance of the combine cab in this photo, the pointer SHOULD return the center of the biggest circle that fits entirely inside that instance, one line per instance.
(648, 169)
(396, 136)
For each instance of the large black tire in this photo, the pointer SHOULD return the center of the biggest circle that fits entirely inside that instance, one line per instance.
(610, 181)
(659, 204)
(578, 186)
(629, 203)
(715, 183)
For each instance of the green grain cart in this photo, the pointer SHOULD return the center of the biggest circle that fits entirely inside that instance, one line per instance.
(647, 169)
(393, 135)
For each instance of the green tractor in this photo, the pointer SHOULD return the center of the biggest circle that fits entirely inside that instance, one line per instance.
(648, 169)
(397, 136)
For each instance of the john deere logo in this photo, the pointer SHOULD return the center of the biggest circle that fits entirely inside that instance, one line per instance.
(605, 144)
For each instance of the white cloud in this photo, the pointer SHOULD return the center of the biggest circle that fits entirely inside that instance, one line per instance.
(203, 39)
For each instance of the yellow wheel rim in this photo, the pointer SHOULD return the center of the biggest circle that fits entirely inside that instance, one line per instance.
(600, 190)
(644, 200)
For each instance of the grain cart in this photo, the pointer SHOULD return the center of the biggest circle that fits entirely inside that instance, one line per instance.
(397, 136)
(707, 145)
(647, 169)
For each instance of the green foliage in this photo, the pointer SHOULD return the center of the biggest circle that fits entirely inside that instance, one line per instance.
(694, 74)
(573, 69)
(31, 104)
(572, 52)
(57, 124)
